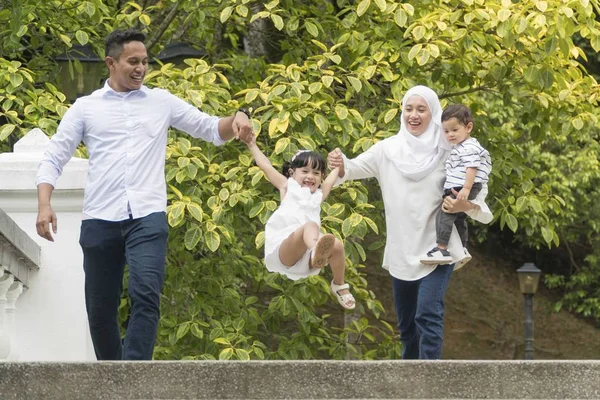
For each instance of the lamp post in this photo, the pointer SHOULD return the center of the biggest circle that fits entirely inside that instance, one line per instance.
(529, 277)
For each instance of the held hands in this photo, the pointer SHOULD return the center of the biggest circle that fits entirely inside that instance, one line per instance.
(242, 128)
(463, 194)
(335, 160)
(46, 216)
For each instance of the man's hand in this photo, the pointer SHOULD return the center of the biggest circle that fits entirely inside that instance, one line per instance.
(463, 194)
(242, 128)
(453, 206)
(46, 217)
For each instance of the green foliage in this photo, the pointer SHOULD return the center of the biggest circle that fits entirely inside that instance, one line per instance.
(341, 68)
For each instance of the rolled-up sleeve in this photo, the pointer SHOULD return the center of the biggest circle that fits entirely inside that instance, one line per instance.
(62, 146)
(481, 213)
(194, 122)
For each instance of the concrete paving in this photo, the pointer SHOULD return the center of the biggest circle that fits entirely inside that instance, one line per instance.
(302, 380)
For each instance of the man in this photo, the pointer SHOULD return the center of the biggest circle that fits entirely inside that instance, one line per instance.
(124, 126)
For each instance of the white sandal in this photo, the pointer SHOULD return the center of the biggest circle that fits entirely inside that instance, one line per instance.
(320, 254)
(343, 299)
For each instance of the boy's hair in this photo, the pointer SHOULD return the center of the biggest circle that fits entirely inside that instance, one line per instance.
(461, 112)
(302, 159)
(115, 42)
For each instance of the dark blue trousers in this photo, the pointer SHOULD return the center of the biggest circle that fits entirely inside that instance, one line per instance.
(107, 246)
(420, 310)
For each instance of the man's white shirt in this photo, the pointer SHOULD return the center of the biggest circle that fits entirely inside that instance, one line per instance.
(126, 138)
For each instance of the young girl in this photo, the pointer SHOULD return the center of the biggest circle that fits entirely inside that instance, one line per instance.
(294, 245)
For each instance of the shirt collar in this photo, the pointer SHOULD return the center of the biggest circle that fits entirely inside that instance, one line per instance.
(107, 90)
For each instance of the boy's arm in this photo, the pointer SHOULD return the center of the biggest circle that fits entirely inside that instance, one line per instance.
(329, 181)
(274, 176)
(469, 180)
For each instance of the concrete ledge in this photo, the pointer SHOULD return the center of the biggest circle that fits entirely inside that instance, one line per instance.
(302, 380)
(18, 252)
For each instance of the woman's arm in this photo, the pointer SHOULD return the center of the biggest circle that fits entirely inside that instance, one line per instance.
(274, 176)
(366, 165)
(329, 181)
(476, 208)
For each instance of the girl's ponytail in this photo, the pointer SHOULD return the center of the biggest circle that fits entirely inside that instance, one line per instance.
(285, 169)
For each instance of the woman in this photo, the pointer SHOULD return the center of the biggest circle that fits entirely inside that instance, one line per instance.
(410, 169)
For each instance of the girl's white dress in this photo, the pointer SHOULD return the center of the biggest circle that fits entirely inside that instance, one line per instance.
(298, 207)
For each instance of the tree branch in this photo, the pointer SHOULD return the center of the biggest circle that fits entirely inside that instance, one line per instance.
(467, 91)
(172, 12)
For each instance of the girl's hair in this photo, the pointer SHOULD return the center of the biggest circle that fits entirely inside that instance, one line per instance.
(304, 158)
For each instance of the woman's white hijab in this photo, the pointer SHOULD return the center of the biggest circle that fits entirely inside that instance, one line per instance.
(417, 156)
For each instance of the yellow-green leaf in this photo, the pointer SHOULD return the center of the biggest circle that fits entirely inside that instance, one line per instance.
(65, 39)
(15, 80)
(221, 340)
(260, 239)
(363, 6)
(414, 51)
(192, 237)
(82, 37)
(355, 219)
(6, 130)
(321, 122)
(224, 194)
(145, 19)
(226, 13)
(212, 240)
(195, 211)
(390, 115)
(341, 111)
(336, 209)
(504, 14)
(327, 80)
(277, 21)
(242, 10)
(226, 354)
(315, 87)
(418, 32)
(541, 5)
(547, 234)
(381, 4)
(512, 222)
(312, 28)
(400, 17)
(577, 123)
(281, 145)
(242, 354)
(356, 83)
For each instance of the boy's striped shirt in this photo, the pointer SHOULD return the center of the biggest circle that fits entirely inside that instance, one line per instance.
(465, 155)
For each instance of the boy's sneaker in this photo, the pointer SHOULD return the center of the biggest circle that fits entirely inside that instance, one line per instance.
(437, 256)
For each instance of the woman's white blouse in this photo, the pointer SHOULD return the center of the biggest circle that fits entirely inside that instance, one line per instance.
(410, 211)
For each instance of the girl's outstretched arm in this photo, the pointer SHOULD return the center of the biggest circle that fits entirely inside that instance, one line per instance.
(329, 181)
(274, 176)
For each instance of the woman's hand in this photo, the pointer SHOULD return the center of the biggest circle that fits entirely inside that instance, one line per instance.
(453, 206)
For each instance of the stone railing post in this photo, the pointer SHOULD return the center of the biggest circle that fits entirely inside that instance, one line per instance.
(5, 281)
(51, 324)
(14, 291)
